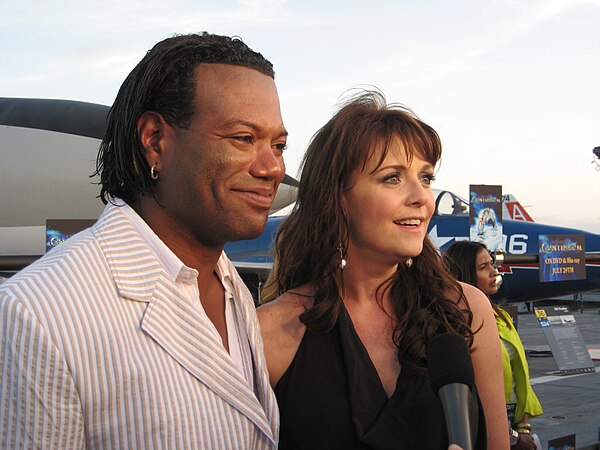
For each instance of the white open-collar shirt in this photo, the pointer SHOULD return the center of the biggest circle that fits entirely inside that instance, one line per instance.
(187, 279)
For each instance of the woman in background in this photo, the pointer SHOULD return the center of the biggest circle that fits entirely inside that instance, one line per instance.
(470, 262)
(359, 291)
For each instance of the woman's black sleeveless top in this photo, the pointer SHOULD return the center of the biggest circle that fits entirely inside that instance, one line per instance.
(331, 398)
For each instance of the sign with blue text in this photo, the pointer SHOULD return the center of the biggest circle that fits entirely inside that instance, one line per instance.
(59, 230)
(562, 257)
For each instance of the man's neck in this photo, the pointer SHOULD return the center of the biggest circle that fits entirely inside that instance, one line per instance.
(181, 242)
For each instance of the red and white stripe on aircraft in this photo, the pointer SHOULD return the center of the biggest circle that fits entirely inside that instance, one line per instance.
(512, 209)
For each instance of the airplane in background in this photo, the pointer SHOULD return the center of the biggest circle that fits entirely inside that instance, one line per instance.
(520, 272)
(48, 150)
(450, 223)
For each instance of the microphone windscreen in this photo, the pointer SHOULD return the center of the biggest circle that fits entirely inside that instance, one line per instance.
(449, 361)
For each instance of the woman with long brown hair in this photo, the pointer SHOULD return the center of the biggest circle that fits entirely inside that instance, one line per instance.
(358, 291)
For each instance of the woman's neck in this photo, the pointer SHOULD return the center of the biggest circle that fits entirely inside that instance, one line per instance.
(365, 284)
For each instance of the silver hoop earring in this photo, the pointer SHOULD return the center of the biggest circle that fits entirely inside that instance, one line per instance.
(409, 262)
(342, 259)
(153, 172)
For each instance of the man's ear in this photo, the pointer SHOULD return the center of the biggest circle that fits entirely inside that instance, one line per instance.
(151, 130)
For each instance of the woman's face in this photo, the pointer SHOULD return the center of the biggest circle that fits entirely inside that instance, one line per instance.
(389, 207)
(486, 273)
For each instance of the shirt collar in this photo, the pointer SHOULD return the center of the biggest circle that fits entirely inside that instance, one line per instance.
(174, 267)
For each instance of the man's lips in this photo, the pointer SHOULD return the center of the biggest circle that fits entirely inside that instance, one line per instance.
(259, 197)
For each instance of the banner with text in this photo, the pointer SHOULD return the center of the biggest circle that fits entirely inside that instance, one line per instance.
(486, 215)
(562, 257)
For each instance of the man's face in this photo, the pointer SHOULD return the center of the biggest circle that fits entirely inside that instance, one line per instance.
(218, 178)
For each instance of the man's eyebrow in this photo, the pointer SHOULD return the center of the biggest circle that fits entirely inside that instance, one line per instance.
(252, 125)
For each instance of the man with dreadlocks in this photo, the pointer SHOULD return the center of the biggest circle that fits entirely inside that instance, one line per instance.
(137, 333)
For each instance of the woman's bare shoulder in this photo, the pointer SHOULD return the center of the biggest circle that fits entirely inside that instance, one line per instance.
(282, 330)
(487, 364)
(476, 300)
(288, 306)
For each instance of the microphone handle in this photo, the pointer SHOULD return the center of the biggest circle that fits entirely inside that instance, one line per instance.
(455, 401)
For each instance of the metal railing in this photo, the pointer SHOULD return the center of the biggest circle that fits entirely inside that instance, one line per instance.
(506, 258)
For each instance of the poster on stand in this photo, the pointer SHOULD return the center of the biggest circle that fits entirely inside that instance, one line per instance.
(562, 443)
(485, 222)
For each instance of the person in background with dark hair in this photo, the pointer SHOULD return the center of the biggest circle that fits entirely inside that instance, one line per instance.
(358, 291)
(470, 262)
(138, 333)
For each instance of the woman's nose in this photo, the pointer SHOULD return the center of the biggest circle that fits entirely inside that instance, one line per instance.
(498, 280)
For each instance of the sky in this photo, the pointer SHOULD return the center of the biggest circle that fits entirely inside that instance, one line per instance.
(511, 86)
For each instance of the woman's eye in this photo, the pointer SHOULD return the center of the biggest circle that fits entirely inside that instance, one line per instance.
(392, 179)
(428, 178)
(281, 146)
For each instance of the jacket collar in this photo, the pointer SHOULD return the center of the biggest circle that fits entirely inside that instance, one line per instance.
(181, 329)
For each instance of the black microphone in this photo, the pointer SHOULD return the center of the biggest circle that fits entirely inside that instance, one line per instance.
(451, 377)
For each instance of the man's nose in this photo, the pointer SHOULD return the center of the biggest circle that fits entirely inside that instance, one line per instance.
(268, 164)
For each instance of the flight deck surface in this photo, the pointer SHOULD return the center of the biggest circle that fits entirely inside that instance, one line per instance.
(571, 403)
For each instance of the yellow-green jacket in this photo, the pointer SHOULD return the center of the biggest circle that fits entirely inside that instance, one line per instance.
(527, 401)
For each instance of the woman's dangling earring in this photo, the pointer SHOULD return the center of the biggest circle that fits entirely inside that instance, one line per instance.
(154, 172)
(409, 262)
(342, 259)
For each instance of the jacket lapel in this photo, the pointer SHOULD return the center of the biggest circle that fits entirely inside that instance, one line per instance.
(246, 314)
(182, 330)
